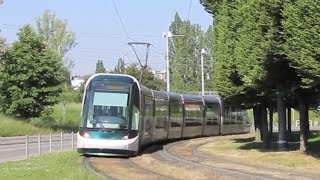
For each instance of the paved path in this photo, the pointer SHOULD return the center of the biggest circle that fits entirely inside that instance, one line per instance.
(14, 148)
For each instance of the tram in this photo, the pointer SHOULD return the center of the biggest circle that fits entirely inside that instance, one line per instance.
(119, 116)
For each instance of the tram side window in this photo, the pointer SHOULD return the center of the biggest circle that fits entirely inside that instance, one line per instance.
(193, 115)
(233, 115)
(161, 114)
(213, 114)
(226, 118)
(135, 118)
(148, 113)
(239, 117)
(176, 114)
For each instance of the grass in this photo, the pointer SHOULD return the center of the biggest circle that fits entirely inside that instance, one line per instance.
(66, 165)
(13, 127)
(64, 118)
(243, 147)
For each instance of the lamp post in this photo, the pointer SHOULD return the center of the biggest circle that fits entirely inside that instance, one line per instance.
(202, 71)
(167, 35)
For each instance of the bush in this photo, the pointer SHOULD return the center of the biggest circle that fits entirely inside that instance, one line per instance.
(70, 95)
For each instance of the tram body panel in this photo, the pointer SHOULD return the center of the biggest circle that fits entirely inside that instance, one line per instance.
(175, 116)
(119, 116)
(94, 146)
(161, 111)
(193, 116)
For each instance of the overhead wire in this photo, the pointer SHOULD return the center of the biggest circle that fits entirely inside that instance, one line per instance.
(122, 24)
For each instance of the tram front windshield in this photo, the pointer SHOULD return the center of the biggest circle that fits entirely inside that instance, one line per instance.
(108, 110)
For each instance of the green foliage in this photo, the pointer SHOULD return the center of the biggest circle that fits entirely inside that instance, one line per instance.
(70, 95)
(120, 68)
(63, 117)
(301, 24)
(30, 76)
(226, 78)
(100, 67)
(3, 46)
(65, 165)
(185, 55)
(148, 78)
(54, 31)
(14, 127)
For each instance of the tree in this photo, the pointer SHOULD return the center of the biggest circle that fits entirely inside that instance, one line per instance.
(185, 53)
(301, 28)
(100, 67)
(54, 31)
(30, 76)
(3, 46)
(120, 68)
(250, 59)
(274, 46)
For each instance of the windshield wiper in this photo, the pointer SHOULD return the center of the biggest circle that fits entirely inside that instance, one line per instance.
(101, 125)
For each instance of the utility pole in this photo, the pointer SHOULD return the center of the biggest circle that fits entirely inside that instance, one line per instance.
(202, 72)
(167, 35)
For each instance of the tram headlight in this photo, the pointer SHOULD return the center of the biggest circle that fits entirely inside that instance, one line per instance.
(126, 137)
(85, 134)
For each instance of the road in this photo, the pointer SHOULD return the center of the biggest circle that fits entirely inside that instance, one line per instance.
(14, 148)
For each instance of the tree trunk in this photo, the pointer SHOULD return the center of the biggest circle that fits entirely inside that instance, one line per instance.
(289, 121)
(264, 128)
(270, 122)
(256, 117)
(304, 123)
(282, 139)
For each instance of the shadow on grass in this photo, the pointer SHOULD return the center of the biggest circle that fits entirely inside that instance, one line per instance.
(293, 143)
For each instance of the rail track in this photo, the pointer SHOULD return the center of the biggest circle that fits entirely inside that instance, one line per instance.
(120, 168)
(185, 160)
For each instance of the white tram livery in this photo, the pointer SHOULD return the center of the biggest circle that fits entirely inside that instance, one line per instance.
(119, 116)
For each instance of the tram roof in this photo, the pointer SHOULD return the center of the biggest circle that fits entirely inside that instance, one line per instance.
(211, 98)
(192, 98)
(160, 94)
(175, 96)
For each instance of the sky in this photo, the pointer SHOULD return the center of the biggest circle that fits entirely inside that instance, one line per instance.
(100, 34)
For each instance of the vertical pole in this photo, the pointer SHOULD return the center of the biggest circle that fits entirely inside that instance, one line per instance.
(168, 69)
(202, 73)
(50, 142)
(61, 142)
(292, 112)
(282, 139)
(39, 144)
(27, 147)
(72, 142)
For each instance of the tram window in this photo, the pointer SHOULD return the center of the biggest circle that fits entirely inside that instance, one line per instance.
(176, 114)
(135, 118)
(213, 114)
(193, 115)
(148, 113)
(108, 110)
(161, 114)
(233, 115)
(226, 118)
